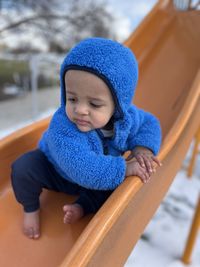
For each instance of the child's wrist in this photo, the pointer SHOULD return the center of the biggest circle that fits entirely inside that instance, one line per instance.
(128, 166)
(133, 159)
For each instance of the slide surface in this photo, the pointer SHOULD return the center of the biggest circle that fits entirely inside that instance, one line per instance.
(167, 47)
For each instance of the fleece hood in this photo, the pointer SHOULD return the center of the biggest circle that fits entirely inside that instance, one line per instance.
(114, 63)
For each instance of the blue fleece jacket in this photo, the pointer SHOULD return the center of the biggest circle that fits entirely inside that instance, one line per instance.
(78, 156)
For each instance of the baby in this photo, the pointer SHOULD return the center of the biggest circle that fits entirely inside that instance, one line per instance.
(81, 151)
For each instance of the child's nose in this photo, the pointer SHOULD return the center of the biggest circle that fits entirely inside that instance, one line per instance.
(82, 109)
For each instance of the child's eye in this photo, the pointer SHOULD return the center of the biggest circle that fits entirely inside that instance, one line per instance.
(71, 99)
(95, 105)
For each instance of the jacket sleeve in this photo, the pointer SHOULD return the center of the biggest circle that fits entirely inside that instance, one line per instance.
(148, 132)
(87, 168)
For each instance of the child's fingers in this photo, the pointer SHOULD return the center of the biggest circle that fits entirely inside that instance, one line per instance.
(140, 160)
(148, 164)
(156, 160)
(149, 161)
(144, 176)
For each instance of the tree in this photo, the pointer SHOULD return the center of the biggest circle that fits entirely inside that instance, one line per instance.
(58, 23)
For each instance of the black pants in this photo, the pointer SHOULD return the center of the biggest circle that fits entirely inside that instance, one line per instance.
(32, 172)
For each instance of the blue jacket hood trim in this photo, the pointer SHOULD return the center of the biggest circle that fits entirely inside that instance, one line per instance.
(118, 110)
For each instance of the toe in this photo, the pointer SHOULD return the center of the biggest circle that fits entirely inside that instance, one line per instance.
(29, 232)
(67, 217)
(36, 234)
(65, 208)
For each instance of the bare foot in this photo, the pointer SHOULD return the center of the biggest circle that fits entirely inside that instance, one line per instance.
(73, 212)
(31, 225)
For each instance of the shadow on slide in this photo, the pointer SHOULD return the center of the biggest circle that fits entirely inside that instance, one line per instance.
(166, 45)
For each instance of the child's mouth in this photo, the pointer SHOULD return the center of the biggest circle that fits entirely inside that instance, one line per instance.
(81, 122)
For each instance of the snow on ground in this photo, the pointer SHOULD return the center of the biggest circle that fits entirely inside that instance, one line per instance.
(163, 241)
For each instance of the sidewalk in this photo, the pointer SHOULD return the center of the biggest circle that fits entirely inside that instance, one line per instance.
(21, 111)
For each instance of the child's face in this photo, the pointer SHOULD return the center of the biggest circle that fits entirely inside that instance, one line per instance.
(89, 101)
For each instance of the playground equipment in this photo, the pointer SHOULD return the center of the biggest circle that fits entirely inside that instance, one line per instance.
(166, 45)
(186, 258)
(195, 226)
(194, 153)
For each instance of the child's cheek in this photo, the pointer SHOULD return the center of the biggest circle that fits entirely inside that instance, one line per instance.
(68, 111)
(100, 120)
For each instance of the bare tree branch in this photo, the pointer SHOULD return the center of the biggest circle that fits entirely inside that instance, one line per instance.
(60, 23)
(34, 18)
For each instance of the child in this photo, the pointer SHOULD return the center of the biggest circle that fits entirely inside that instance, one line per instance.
(81, 151)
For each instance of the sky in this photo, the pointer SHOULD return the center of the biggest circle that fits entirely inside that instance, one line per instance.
(130, 12)
(128, 15)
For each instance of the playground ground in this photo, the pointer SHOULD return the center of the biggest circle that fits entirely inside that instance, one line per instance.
(22, 110)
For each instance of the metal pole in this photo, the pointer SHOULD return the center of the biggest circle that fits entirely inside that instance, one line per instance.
(34, 84)
(186, 258)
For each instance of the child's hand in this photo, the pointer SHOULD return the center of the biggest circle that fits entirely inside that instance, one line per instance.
(134, 168)
(145, 157)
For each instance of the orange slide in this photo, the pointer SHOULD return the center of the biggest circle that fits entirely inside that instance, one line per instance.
(167, 47)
